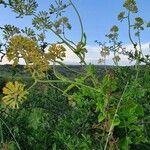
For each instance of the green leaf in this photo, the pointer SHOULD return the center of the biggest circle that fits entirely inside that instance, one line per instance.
(42, 21)
(100, 105)
(148, 24)
(54, 147)
(28, 31)
(11, 145)
(124, 143)
(23, 7)
(131, 6)
(35, 118)
(70, 87)
(136, 128)
(116, 122)
(138, 23)
(101, 117)
(121, 16)
(132, 109)
(114, 29)
(139, 110)
(90, 69)
(139, 19)
(9, 31)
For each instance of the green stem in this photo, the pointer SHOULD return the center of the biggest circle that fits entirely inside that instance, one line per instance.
(69, 46)
(35, 82)
(58, 75)
(63, 40)
(140, 45)
(60, 37)
(134, 45)
(72, 70)
(67, 38)
(11, 133)
(57, 88)
(67, 81)
(112, 124)
(1, 130)
(80, 20)
(129, 29)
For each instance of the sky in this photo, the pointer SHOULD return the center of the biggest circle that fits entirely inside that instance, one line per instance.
(98, 17)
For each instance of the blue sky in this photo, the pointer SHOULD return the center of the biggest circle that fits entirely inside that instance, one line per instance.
(98, 16)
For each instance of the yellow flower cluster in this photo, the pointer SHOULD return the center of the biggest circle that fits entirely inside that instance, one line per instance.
(18, 46)
(56, 51)
(116, 58)
(26, 48)
(37, 63)
(105, 51)
(15, 94)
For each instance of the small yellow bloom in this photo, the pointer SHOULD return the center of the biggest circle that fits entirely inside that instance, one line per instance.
(15, 94)
(116, 59)
(37, 63)
(105, 51)
(56, 51)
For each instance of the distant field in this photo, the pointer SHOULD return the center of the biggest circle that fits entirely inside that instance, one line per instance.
(10, 71)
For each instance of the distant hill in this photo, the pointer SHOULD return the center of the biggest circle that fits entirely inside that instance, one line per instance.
(9, 70)
(19, 69)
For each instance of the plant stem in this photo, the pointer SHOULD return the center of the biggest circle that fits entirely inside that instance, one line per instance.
(11, 133)
(129, 29)
(67, 81)
(112, 124)
(64, 65)
(35, 82)
(2, 139)
(80, 20)
(134, 45)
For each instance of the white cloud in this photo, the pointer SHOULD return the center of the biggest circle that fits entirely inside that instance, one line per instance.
(93, 56)
(145, 47)
(5, 61)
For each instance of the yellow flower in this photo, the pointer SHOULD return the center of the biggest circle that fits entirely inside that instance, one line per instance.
(15, 94)
(105, 51)
(116, 59)
(56, 51)
(19, 46)
(26, 48)
(37, 63)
